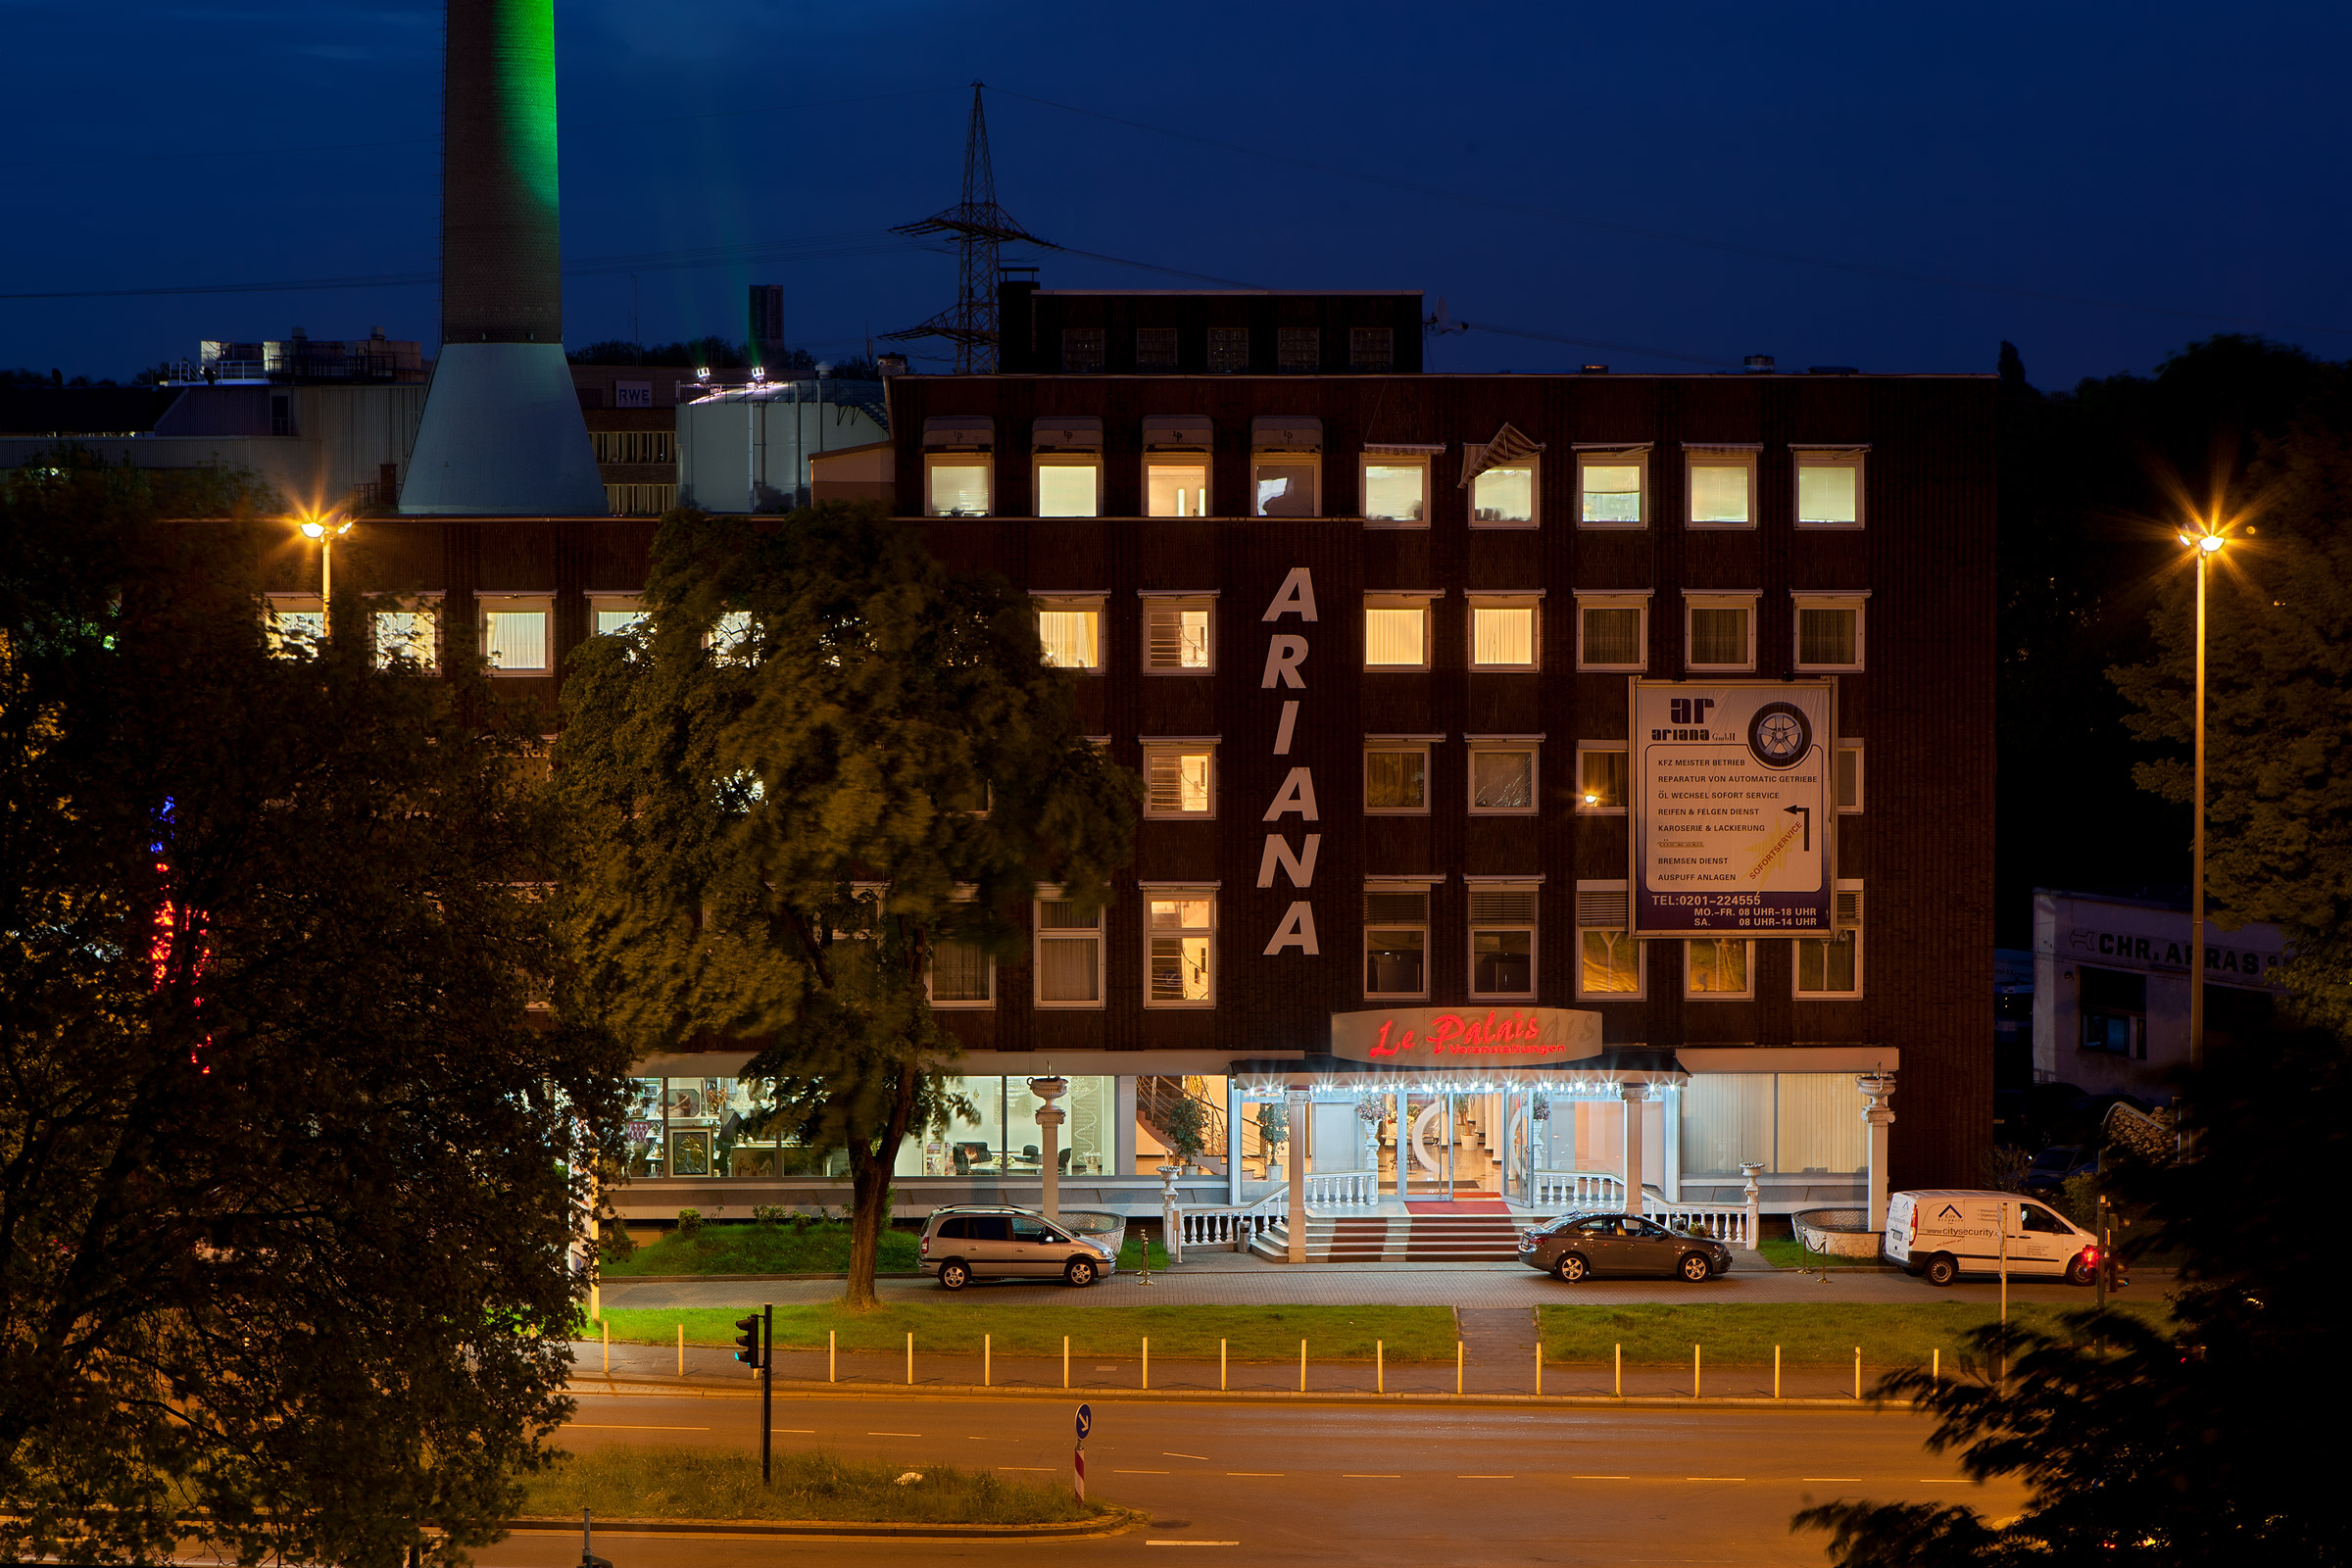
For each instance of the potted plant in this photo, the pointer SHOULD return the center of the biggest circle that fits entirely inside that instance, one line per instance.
(1184, 1125)
(1273, 1130)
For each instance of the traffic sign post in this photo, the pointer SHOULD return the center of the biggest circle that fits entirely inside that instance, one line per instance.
(767, 1388)
(1085, 1424)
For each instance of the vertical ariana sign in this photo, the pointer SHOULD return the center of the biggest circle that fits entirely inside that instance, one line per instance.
(1285, 672)
(1733, 814)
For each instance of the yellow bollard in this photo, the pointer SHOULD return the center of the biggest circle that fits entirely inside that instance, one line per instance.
(1220, 1366)
(608, 1328)
(1776, 1371)
(1457, 1366)
(1936, 1366)
(832, 1354)
(1694, 1371)
(1380, 1367)
(1147, 1361)
(681, 1350)
(1538, 1368)
(1301, 1366)
(1857, 1371)
(1618, 1355)
(596, 1303)
(988, 1352)
(910, 1358)
(1065, 1361)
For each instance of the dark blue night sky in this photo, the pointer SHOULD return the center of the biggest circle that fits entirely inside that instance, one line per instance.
(1894, 187)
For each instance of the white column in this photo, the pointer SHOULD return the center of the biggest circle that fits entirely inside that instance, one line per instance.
(1876, 1089)
(1050, 1118)
(1295, 1103)
(1632, 1097)
(1233, 1141)
(1671, 1129)
(1751, 1169)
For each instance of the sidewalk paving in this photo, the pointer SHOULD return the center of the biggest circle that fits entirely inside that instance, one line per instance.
(1228, 1279)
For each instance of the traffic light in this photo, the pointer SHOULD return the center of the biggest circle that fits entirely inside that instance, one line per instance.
(747, 1340)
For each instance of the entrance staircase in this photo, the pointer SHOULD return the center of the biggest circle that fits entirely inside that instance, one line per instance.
(1399, 1239)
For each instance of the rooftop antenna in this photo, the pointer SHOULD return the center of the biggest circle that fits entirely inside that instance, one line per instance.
(979, 229)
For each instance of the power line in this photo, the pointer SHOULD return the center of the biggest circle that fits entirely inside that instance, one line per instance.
(1701, 241)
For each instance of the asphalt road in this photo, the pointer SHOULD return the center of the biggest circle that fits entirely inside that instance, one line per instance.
(1330, 1484)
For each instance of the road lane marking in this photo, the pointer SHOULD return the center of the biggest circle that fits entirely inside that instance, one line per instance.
(798, 1432)
(1714, 1478)
(1366, 1475)
(1192, 1543)
(1856, 1479)
(1485, 1477)
(1168, 1454)
(1946, 1481)
(628, 1426)
(894, 1434)
(1254, 1472)
(1043, 1469)
(1139, 1472)
(1600, 1478)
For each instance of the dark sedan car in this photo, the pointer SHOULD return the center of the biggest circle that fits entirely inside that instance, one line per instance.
(1576, 1245)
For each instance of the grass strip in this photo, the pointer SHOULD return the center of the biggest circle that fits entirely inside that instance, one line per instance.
(1035, 1327)
(1656, 1334)
(822, 1248)
(1786, 1252)
(665, 1483)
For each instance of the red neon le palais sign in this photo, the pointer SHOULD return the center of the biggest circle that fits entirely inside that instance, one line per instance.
(1496, 1036)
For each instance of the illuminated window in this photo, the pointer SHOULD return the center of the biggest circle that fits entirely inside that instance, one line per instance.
(1829, 487)
(1612, 634)
(1503, 633)
(1175, 487)
(1179, 778)
(294, 624)
(1601, 773)
(956, 486)
(1069, 953)
(1608, 960)
(1503, 941)
(1395, 778)
(1176, 636)
(1283, 486)
(1722, 485)
(1395, 633)
(515, 632)
(1181, 940)
(407, 637)
(1070, 633)
(1610, 489)
(1503, 779)
(1396, 941)
(1396, 489)
(1504, 496)
(1718, 966)
(1069, 487)
(616, 613)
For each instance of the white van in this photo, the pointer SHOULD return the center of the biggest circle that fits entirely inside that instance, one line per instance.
(1949, 1232)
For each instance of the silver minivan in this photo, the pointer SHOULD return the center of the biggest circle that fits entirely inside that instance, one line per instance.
(966, 1241)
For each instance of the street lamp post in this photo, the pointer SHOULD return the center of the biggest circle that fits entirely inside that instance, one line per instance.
(326, 532)
(2205, 544)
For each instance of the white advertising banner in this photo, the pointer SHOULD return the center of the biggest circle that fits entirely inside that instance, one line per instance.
(1732, 814)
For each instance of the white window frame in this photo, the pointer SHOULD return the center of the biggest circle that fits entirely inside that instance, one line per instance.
(1399, 600)
(1533, 926)
(1701, 601)
(1181, 890)
(1530, 601)
(426, 605)
(1599, 456)
(1040, 462)
(1799, 602)
(1849, 747)
(1076, 604)
(1584, 748)
(1697, 455)
(601, 605)
(1481, 745)
(274, 606)
(1843, 885)
(985, 462)
(1312, 461)
(1176, 458)
(1748, 994)
(1619, 890)
(1037, 955)
(517, 603)
(1473, 454)
(1823, 456)
(1418, 745)
(1374, 885)
(964, 895)
(1636, 602)
(1179, 603)
(1396, 458)
(1180, 746)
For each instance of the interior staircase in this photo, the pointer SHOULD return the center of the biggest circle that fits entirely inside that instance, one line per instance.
(1399, 1239)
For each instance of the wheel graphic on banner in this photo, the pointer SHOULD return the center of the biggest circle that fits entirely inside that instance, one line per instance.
(1780, 735)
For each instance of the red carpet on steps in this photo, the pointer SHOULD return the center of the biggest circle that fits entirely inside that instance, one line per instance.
(1461, 1205)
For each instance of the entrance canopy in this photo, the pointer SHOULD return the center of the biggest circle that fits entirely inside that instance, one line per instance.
(1600, 1075)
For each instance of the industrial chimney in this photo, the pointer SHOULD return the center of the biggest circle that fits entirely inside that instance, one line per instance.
(502, 432)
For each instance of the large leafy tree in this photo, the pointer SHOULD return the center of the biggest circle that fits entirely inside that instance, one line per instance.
(2202, 1442)
(2279, 703)
(823, 755)
(287, 1170)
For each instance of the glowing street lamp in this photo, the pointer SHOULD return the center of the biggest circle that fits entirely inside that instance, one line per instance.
(326, 532)
(2204, 544)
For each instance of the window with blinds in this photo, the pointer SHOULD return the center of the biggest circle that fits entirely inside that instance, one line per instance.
(1719, 638)
(1069, 487)
(1503, 779)
(961, 976)
(1504, 496)
(1503, 942)
(1176, 636)
(1609, 637)
(1179, 780)
(1396, 941)
(1601, 777)
(1071, 635)
(1396, 778)
(515, 636)
(1829, 636)
(957, 487)
(1722, 492)
(1069, 955)
(1395, 490)
(1397, 636)
(1791, 1123)
(1180, 930)
(1828, 490)
(1609, 490)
